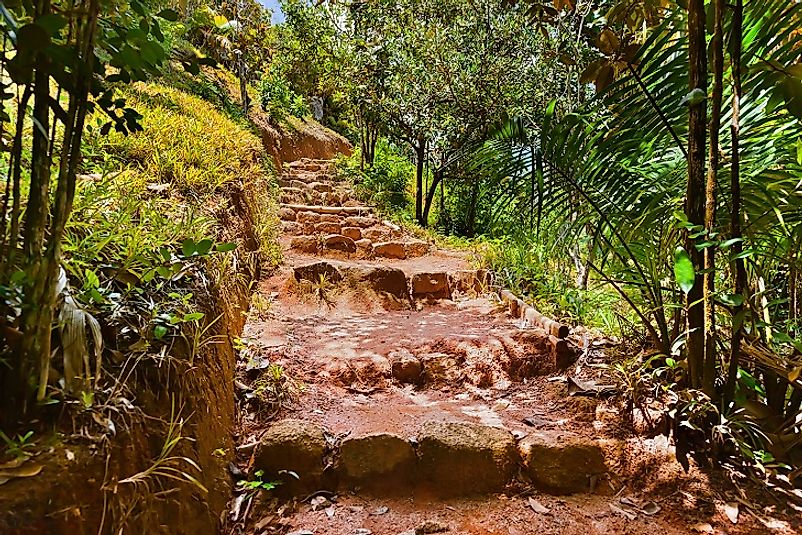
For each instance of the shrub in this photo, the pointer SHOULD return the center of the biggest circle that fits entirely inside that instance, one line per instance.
(279, 100)
(385, 183)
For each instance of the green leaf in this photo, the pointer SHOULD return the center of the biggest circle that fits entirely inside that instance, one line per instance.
(194, 316)
(159, 331)
(168, 14)
(52, 23)
(697, 96)
(32, 37)
(734, 300)
(225, 247)
(188, 248)
(792, 90)
(204, 246)
(684, 272)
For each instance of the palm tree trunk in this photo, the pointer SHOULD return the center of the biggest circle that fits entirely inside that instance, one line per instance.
(739, 271)
(709, 373)
(694, 198)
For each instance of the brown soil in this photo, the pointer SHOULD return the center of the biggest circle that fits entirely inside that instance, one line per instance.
(480, 366)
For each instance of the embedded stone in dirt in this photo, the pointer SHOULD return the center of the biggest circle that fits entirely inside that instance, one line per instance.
(321, 187)
(291, 227)
(379, 461)
(360, 221)
(329, 218)
(390, 250)
(294, 445)
(466, 458)
(561, 463)
(339, 242)
(414, 249)
(307, 244)
(328, 228)
(313, 272)
(406, 368)
(364, 244)
(434, 285)
(377, 234)
(352, 232)
(468, 280)
(307, 217)
(439, 368)
(287, 214)
(384, 279)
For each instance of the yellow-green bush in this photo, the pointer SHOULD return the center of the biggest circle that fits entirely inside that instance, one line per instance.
(186, 142)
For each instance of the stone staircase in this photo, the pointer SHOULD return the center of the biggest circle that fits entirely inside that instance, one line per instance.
(446, 388)
(319, 212)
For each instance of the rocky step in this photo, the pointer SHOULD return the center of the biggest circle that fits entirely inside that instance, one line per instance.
(340, 210)
(327, 239)
(449, 458)
(311, 197)
(395, 281)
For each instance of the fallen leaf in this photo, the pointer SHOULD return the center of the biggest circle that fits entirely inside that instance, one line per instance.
(538, 507)
(650, 508)
(330, 511)
(25, 470)
(731, 510)
(702, 528)
(623, 512)
(380, 511)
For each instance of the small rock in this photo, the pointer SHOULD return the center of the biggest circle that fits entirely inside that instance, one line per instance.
(406, 368)
(328, 228)
(307, 217)
(358, 221)
(314, 271)
(377, 234)
(429, 527)
(287, 214)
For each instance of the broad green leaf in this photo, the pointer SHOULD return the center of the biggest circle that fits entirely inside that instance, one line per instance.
(734, 300)
(168, 14)
(225, 247)
(159, 331)
(194, 316)
(188, 248)
(684, 272)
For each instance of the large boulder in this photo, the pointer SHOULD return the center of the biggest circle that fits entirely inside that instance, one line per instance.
(432, 285)
(466, 458)
(292, 445)
(380, 462)
(560, 462)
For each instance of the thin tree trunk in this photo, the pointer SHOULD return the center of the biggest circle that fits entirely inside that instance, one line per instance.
(437, 177)
(709, 373)
(739, 271)
(694, 199)
(420, 154)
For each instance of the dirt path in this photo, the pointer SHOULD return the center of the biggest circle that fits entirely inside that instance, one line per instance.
(407, 399)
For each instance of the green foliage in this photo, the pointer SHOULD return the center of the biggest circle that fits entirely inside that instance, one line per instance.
(255, 486)
(211, 151)
(386, 183)
(19, 446)
(278, 100)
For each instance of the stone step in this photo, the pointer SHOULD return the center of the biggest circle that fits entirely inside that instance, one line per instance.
(349, 210)
(449, 458)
